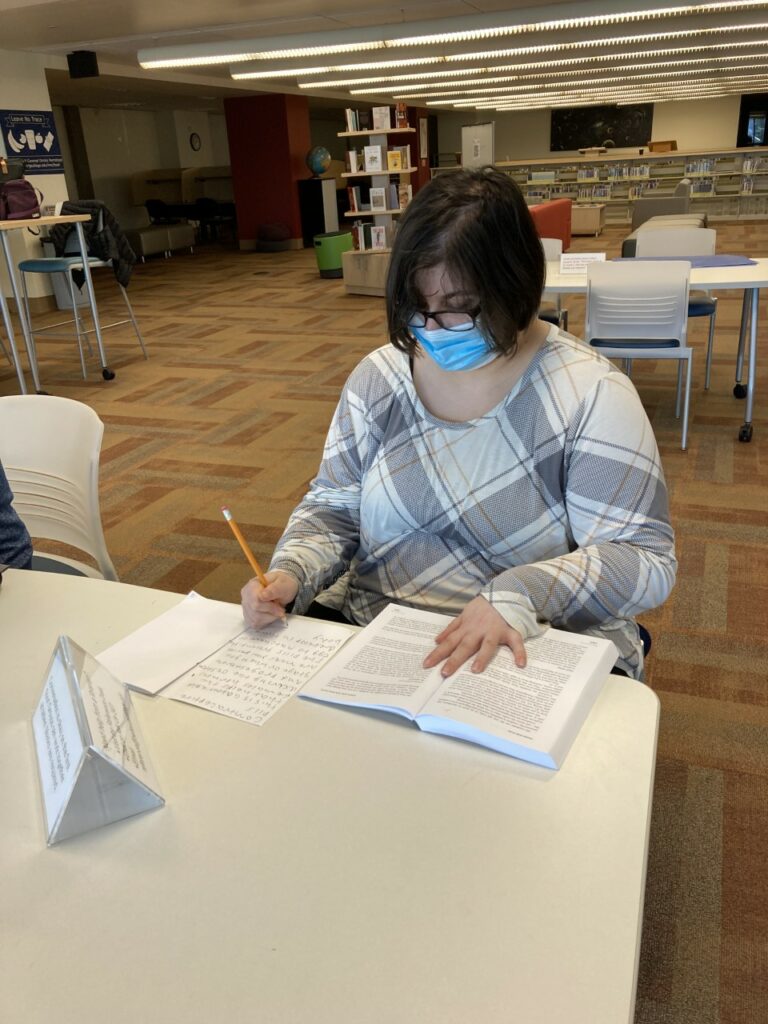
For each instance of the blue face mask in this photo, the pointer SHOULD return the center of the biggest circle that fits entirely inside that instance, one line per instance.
(455, 350)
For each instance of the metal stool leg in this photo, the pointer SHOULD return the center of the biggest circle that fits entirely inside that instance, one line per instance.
(129, 307)
(78, 331)
(679, 386)
(26, 315)
(687, 403)
(106, 373)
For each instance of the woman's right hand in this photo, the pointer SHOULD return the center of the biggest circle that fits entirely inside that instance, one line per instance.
(262, 605)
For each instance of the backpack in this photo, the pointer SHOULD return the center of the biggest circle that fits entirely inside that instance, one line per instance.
(18, 200)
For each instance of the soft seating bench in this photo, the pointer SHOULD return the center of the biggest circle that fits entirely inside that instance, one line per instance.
(553, 220)
(671, 220)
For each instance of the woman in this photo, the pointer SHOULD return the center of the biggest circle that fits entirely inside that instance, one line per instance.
(484, 464)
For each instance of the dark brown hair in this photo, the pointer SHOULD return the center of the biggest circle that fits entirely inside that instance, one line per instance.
(475, 223)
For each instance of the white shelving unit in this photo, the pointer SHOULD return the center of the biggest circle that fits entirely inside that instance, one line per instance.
(365, 272)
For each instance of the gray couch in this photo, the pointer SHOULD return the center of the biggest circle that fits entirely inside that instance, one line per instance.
(662, 206)
(160, 238)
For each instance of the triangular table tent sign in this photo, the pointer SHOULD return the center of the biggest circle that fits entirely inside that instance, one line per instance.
(91, 758)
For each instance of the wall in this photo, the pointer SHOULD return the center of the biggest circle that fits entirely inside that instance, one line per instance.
(698, 124)
(121, 142)
(695, 124)
(23, 87)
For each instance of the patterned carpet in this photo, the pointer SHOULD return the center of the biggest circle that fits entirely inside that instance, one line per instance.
(247, 356)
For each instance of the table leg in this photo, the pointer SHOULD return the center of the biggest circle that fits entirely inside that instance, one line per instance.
(745, 433)
(106, 373)
(739, 390)
(28, 342)
(12, 340)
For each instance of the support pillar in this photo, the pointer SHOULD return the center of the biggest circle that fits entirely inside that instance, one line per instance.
(268, 142)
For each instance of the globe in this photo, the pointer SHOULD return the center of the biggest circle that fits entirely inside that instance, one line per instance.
(318, 160)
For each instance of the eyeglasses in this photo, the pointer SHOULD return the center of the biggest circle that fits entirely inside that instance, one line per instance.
(448, 319)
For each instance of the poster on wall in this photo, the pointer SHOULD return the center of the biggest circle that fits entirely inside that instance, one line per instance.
(31, 136)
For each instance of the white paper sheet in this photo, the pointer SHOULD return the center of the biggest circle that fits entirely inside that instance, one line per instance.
(173, 643)
(258, 671)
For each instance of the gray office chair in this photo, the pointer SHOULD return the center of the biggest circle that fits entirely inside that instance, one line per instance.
(684, 242)
(551, 309)
(639, 310)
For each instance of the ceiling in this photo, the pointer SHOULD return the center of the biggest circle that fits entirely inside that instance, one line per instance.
(490, 54)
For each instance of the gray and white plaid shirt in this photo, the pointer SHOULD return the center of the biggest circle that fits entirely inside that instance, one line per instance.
(553, 506)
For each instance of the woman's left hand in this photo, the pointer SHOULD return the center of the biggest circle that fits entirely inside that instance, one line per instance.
(479, 630)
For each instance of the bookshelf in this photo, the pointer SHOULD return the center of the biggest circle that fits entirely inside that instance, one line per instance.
(365, 270)
(727, 184)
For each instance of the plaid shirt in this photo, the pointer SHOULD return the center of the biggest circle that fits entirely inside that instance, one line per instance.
(552, 506)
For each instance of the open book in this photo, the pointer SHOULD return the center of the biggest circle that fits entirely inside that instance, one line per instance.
(533, 713)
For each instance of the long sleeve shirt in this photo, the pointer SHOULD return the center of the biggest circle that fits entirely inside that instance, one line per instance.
(552, 506)
(15, 545)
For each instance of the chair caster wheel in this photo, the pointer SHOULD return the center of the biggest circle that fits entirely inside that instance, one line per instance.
(108, 374)
(740, 391)
(745, 432)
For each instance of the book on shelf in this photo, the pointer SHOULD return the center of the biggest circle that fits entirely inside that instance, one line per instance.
(363, 120)
(353, 196)
(533, 713)
(378, 198)
(393, 198)
(703, 187)
(401, 115)
(372, 159)
(382, 118)
(405, 156)
(378, 236)
(394, 160)
(747, 186)
(404, 195)
(350, 117)
(352, 161)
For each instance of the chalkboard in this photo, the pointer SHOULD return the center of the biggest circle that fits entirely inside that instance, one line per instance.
(580, 127)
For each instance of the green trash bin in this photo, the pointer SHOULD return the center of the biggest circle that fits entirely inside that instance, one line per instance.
(328, 250)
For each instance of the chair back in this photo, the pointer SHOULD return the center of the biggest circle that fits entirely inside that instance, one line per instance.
(637, 301)
(50, 450)
(553, 248)
(676, 242)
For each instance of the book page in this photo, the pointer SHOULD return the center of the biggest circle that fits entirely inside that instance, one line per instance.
(381, 667)
(533, 706)
(253, 675)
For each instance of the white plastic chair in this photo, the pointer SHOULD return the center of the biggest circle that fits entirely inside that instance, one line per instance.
(686, 242)
(50, 450)
(551, 308)
(639, 310)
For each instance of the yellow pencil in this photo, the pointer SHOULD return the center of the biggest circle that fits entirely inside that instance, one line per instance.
(244, 545)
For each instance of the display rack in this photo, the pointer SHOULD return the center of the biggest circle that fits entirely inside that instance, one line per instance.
(365, 272)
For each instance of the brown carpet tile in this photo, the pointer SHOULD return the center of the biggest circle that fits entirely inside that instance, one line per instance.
(247, 356)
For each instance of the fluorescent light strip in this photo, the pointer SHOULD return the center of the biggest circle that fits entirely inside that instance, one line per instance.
(369, 66)
(476, 90)
(567, 73)
(608, 96)
(479, 32)
(546, 48)
(448, 72)
(672, 88)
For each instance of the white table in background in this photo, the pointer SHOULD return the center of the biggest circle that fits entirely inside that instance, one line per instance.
(330, 867)
(749, 277)
(7, 226)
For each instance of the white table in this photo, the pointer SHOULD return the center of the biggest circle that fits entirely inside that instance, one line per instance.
(750, 277)
(331, 867)
(36, 223)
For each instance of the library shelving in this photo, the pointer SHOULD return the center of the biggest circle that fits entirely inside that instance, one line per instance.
(727, 184)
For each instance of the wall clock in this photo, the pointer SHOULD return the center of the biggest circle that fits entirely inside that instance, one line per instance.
(195, 141)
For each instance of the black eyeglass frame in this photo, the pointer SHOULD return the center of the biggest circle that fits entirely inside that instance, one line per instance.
(436, 314)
